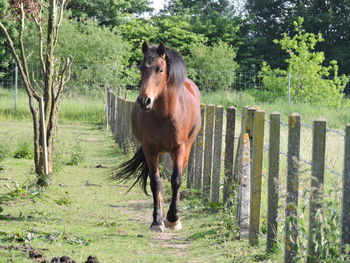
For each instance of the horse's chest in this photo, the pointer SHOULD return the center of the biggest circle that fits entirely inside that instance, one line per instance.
(162, 132)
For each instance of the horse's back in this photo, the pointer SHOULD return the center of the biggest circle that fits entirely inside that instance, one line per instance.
(192, 88)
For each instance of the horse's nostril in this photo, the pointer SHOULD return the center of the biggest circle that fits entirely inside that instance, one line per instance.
(148, 101)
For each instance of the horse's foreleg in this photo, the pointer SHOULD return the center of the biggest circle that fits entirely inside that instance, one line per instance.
(180, 158)
(156, 187)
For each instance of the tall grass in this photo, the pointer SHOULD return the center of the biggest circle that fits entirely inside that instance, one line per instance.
(88, 109)
(84, 109)
(336, 117)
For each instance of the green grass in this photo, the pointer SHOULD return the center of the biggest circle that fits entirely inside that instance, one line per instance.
(83, 109)
(85, 213)
(336, 117)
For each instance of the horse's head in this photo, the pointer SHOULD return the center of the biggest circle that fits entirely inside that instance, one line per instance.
(153, 74)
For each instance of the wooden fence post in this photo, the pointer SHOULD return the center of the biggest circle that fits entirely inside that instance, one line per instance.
(345, 220)
(219, 118)
(115, 119)
(122, 127)
(208, 152)
(106, 107)
(317, 180)
(273, 176)
(250, 127)
(191, 166)
(130, 141)
(197, 184)
(255, 180)
(291, 228)
(242, 175)
(119, 120)
(229, 181)
(113, 104)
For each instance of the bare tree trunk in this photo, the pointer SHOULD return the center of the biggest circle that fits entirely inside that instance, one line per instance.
(54, 77)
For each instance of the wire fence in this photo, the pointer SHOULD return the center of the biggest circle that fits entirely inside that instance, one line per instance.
(91, 75)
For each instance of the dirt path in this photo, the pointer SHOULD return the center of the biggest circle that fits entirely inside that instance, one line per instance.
(85, 213)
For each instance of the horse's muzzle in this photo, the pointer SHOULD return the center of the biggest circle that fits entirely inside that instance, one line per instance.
(145, 102)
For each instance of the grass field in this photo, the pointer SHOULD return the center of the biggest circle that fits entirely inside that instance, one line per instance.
(114, 226)
(83, 109)
(85, 213)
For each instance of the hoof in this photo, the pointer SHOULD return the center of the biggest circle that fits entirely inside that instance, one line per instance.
(173, 225)
(157, 228)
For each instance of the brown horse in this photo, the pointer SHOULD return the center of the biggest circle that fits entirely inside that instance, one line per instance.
(165, 119)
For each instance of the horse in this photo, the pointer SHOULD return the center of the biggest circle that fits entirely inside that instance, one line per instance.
(165, 118)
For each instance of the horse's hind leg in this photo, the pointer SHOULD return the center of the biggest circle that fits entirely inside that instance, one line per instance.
(180, 158)
(156, 186)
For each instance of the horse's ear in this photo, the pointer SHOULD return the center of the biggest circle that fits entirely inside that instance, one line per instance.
(145, 47)
(161, 49)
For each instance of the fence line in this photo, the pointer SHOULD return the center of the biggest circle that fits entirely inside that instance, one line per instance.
(243, 174)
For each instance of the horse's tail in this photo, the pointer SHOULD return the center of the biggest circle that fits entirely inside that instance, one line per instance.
(135, 167)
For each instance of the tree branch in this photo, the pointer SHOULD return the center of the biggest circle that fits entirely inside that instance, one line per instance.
(38, 21)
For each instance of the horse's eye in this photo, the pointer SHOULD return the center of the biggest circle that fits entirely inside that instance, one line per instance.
(160, 71)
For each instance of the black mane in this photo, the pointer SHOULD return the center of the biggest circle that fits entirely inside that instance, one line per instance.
(175, 64)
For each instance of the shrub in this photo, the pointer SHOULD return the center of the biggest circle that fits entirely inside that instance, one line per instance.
(310, 80)
(212, 68)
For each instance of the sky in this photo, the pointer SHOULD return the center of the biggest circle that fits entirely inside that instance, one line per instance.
(158, 4)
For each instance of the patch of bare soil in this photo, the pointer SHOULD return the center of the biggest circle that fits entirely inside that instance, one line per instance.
(67, 259)
(171, 239)
(38, 255)
(34, 253)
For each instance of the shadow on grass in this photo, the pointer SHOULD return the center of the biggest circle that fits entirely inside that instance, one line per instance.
(19, 218)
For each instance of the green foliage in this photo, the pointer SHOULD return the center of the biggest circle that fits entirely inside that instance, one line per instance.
(19, 191)
(99, 61)
(24, 150)
(76, 156)
(268, 19)
(32, 235)
(106, 12)
(212, 68)
(310, 80)
(327, 229)
(99, 55)
(68, 154)
(175, 31)
(216, 20)
(178, 33)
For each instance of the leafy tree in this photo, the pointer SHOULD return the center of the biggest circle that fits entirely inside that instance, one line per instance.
(212, 68)
(101, 60)
(269, 19)
(55, 72)
(175, 31)
(136, 31)
(178, 32)
(310, 81)
(107, 12)
(216, 20)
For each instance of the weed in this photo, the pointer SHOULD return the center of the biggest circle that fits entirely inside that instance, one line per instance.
(63, 201)
(18, 191)
(107, 224)
(325, 235)
(24, 150)
(29, 236)
(76, 155)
